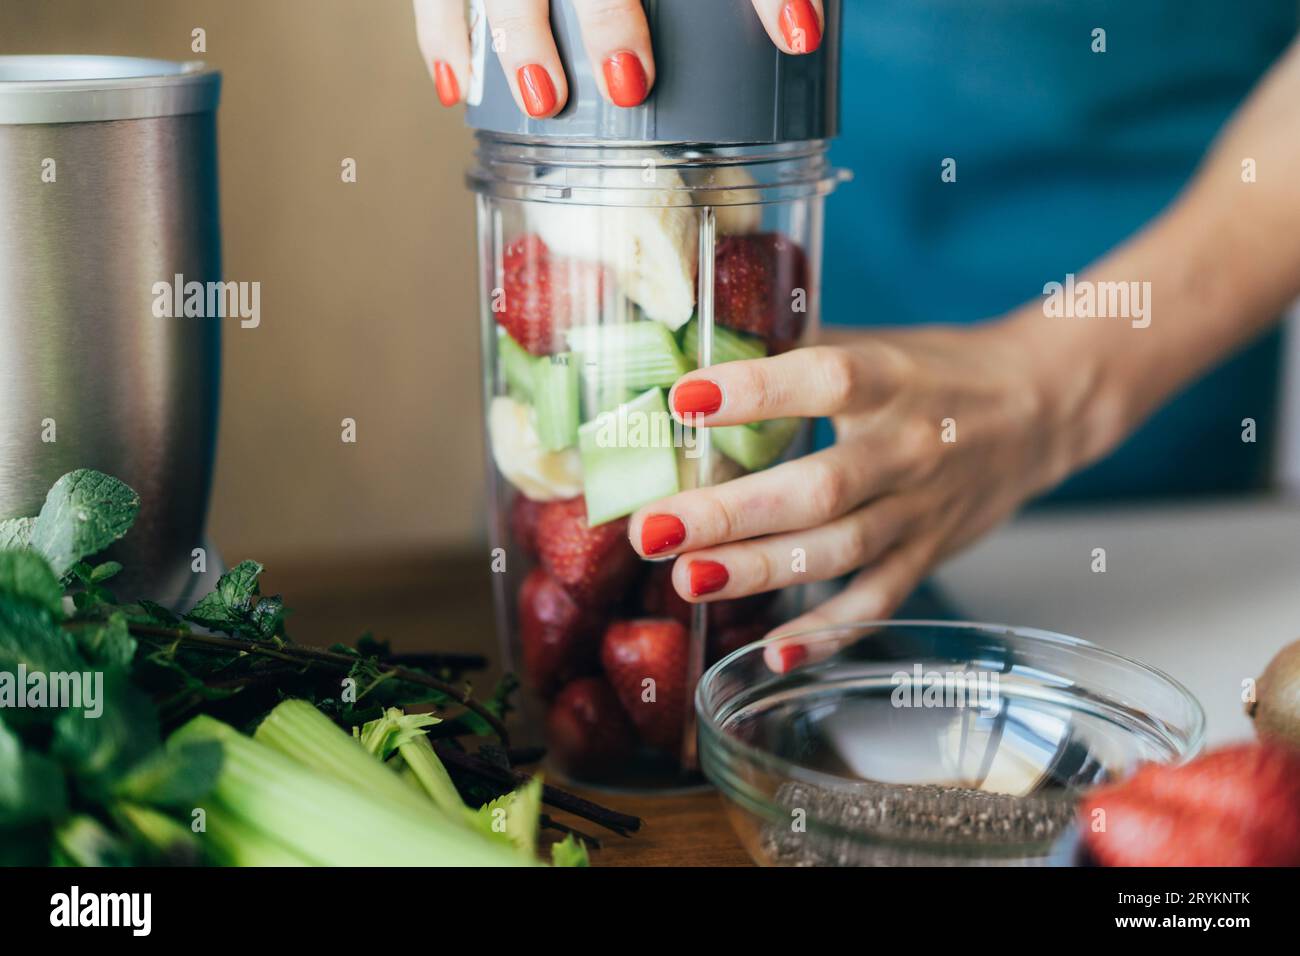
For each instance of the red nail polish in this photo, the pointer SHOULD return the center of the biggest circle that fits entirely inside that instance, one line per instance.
(445, 78)
(800, 26)
(537, 89)
(707, 577)
(661, 533)
(792, 655)
(697, 398)
(625, 79)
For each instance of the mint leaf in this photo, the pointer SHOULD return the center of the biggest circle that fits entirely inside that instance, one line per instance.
(84, 513)
(102, 572)
(25, 576)
(25, 846)
(106, 643)
(156, 615)
(29, 637)
(235, 606)
(99, 750)
(178, 775)
(31, 785)
(15, 533)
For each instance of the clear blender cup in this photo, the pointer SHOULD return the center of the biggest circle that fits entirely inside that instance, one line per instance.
(609, 267)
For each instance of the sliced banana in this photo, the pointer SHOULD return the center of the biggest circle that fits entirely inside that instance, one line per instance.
(651, 242)
(734, 211)
(540, 474)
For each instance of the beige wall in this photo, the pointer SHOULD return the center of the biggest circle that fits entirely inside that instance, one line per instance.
(368, 304)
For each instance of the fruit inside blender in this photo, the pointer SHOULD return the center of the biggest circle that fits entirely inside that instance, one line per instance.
(597, 311)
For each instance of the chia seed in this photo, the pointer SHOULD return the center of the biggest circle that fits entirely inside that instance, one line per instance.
(892, 825)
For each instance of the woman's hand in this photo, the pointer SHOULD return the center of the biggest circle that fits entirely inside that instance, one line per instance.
(614, 33)
(941, 433)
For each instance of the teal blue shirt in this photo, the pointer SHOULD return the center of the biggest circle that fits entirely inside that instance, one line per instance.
(1061, 153)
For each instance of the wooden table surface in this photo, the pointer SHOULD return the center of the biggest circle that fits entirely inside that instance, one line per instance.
(423, 603)
(679, 830)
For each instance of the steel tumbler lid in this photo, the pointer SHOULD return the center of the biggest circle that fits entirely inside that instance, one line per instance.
(90, 89)
(719, 79)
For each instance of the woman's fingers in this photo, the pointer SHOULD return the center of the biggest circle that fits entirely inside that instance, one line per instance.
(617, 40)
(872, 595)
(798, 494)
(521, 37)
(816, 382)
(444, 43)
(817, 554)
(795, 26)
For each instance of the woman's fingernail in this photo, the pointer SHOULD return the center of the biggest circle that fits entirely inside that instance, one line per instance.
(707, 577)
(661, 533)
(537, 89)
(799, 24)
(445, 78)
(700, 397)
(791, 655)
(625, 79)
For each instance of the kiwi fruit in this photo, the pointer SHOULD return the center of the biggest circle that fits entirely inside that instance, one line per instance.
(1276, 707)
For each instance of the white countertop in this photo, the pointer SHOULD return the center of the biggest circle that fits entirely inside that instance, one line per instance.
(1206, 592)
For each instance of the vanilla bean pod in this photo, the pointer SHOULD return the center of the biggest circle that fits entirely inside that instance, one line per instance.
(621, 823)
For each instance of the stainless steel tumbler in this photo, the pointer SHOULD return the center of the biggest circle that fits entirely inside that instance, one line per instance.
(108, 187)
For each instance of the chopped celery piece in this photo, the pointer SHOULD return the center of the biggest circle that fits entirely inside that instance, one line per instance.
(421, 761)
(632, 355)
(514, 817)
(406, 734)
(756, 445)
(728, 346)
(597, 400)
(327, 820)
(629, 457)
(555, 400)
(569, 852)
(517, 365)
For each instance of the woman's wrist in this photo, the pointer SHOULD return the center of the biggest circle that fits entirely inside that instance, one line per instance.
(1082, 402)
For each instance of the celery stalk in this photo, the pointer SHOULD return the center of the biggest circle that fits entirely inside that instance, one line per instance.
(329, 821)
(406, 734)
(232, 842)
(298, 730)
(428, 769)
(516, 816)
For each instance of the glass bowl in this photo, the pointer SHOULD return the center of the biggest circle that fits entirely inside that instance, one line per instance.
(928, 742)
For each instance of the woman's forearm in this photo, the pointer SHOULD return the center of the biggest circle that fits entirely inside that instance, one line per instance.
(1205, 278)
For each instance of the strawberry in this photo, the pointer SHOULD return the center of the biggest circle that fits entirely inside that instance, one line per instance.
(524, 512)
(595, 565)
(660, 599)
(756, 278)
(654, 649)
(560, 640)
(723, 640)
(542, 295)
(1236, 806)
(586, 729)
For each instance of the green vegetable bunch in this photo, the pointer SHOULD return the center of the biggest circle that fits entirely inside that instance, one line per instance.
(90, 687)
(89, 784)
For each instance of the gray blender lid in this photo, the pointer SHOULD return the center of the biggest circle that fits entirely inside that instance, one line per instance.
(88, 89)
(719, 79)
